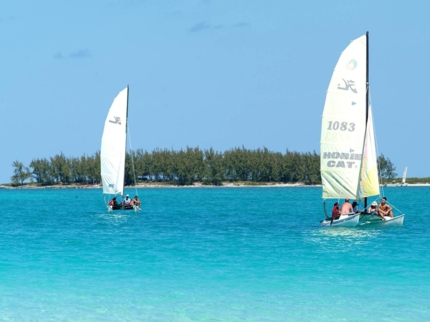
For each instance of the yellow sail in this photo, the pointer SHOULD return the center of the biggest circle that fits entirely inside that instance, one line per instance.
(369, 185)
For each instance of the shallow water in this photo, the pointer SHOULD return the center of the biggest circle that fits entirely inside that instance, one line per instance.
(199, 254)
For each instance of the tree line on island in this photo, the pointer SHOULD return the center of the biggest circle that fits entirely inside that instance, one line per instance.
(186, 166)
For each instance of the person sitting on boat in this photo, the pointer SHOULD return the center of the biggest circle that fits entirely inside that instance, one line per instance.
(335, 212)
(113, 202)
(372, 209)
(135, 201)
(384, 209)
(346, 208)
(127, 201)
(355, 207)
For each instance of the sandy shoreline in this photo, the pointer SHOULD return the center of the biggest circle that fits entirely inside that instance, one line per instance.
(195, 185)
(150, 186)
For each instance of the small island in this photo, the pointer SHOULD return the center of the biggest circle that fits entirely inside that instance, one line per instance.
(190, 167)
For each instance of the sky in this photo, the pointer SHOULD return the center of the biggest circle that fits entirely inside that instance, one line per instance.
(202, 73)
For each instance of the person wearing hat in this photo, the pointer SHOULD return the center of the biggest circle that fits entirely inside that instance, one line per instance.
(372, 209)
(346, 208)
(127, 201)
(355, 207)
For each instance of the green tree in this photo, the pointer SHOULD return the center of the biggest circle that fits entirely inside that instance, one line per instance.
(41, 171)
(214, 169)
(93, 164)
(142, 163)
(386, 168)
(61, 168)
(20, 173)
(191, 165)
(128, 172)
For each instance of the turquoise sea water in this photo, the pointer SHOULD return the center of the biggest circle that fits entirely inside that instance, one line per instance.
(208, 254)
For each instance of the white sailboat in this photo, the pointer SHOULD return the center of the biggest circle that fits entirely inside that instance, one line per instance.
(348, 152)
(404, 184)
(113, 152)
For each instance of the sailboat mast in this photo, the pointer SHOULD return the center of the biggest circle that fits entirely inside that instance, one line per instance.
(125, 152)
(367, 91)
(367, 75)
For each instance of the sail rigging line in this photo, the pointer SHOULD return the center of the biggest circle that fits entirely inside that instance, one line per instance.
(393, 207)
(126, 130)
(381, 188)
(132, 163)
(128, 138)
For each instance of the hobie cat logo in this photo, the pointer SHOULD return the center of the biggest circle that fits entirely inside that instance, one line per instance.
(112, 186)
(349, 84)
(352, 64)
(117, 120)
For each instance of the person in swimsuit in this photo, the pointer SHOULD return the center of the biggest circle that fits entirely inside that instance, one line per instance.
(346, 208)
(384, 209)
(135, 202)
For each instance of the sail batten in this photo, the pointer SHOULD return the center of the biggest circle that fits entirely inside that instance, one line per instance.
(113, 147)
(347, 127)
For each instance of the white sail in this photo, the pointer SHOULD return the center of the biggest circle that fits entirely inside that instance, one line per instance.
(344, 124)
(112, 154)
(404, 175)
(369, 185)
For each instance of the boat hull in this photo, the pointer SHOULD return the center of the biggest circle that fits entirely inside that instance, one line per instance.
(376, 220)
(343, 221)
(119, 207)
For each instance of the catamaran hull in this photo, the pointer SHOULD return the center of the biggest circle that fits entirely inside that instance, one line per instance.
(343, 221)
(376, 220)
(114, 208)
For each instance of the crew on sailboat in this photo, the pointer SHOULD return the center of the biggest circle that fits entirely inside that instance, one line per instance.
(127, 201)
(335, 212)
(384, 209)
(113, 202)
(346, 208)
(372, 209)
(355, 207)
(135, 202)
